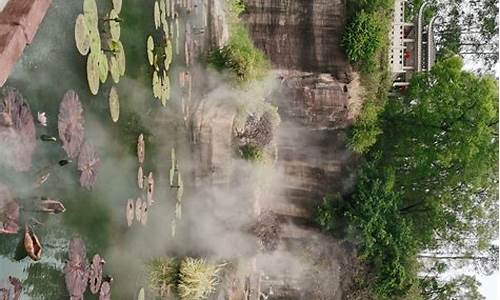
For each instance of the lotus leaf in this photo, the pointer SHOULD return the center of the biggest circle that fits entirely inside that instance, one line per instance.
(117, 5)
(93, 72)
(130, 212)
(114, 104)
(150, 47)
(90, 11)
(95, 39)
(82, 35)
(157, 16)
(103, 67)
(114, 25)
(113, 68)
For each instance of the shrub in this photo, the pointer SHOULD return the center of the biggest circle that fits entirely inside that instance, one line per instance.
(236, 7)
(251, 152)
(366, 128)
(327, 212)
(240, 57)
(162, 274)
(388, 241)
(197, 279)
(363, 37)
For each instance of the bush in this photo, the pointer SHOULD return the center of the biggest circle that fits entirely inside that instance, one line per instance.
(366, 128)
(240, 57)
(251, 152)
(162, 274)
(236, 7)
(328, 211)
(197, 279)
(387, 242)
(363, 37)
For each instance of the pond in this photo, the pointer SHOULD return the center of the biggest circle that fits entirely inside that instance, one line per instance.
(51, 66)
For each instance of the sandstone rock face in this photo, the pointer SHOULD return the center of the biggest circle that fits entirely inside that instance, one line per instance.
(315, 100)
(303, 35)
(19, 21)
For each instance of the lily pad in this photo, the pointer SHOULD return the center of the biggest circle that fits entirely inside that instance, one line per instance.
(150, 47)
(140, 149)
(114, 104)
(172, 227)
(114, 26)
(93, 72)
(120, 57)
(82, 36)
(178, 210)
(168, 54)
(103, 67)
(180, 189)
(95, 39)
(114, 69)
(156, 84)
(138, 209)
(90, 11)
(150, 188)
(165, 90)
(117, 5)
(144, 213)
(140, 178)
(130, 212)
(157, 16)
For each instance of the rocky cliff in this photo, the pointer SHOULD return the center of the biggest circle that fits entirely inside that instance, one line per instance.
(299, 34)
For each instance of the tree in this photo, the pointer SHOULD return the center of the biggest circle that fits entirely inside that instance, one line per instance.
(469, 28)
(485, 262)
(460, 287)
(441, 139)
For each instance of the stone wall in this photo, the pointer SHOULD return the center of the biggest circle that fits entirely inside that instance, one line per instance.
(19, 21)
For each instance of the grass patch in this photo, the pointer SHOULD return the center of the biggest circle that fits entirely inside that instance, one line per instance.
(240, 57)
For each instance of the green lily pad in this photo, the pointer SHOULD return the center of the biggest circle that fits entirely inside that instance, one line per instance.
(157, 15)
(117, 5)
(114, 104)
(82, 36)
(167, 8)
(90, 11)
(121, 58)
(93, 72)
(95, 40)
(172, 227)
(119, 53)
(141, 295)
(114, 26)
(166, 29)
(165, 89)
(114, 69)
(150, 47)
(168, 54)
(163, 13)
(180, 190)
(156, 84)
(178, 210)
(103, 67)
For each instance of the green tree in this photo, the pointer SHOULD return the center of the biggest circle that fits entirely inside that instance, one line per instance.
(460, 287)
(441, 138)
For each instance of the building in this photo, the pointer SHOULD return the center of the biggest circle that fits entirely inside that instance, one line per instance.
(412, 46)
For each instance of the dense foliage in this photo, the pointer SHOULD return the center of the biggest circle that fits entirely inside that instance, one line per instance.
(363, 37)
(240, 57)
(430, 182)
